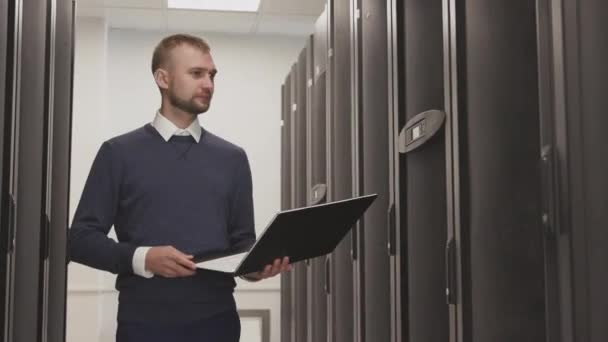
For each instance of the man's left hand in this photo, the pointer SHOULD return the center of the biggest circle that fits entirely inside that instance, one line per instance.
(277, 267)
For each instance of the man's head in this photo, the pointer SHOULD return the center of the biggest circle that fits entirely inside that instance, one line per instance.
(184, 72)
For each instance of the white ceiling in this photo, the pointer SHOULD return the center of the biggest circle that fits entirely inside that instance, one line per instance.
(286, 17)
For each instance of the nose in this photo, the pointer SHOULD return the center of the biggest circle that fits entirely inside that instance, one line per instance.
(207, 83)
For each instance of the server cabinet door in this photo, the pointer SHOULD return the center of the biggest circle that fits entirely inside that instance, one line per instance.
(61, 132)
(495, 179)
(572, 36)
(339, 176)
(356, 151)
(47, 168)
(4, 80)
(589, 243)
(373, 162)
(310, 276)
(316, 174)
(397, 279)
(286, 298)
(299, 191)
(555, 332)
(285, 148)
(418, 242)
(29, 195)
(7, 65)
(292, 143)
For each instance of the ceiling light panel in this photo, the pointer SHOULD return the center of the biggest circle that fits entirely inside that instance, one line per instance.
(215, 5)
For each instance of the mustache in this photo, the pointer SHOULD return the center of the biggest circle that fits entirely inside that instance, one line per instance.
(207, 94)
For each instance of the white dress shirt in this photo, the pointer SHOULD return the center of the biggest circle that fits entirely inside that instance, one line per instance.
(167, 129)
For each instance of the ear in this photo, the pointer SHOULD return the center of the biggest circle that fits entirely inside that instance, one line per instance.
(161, 76)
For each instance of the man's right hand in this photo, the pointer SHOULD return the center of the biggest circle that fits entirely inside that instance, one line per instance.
(168, 262)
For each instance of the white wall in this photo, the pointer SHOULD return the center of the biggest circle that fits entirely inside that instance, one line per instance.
(84, 290)
(115, 93)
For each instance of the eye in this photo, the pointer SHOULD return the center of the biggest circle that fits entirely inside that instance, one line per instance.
(196, 74)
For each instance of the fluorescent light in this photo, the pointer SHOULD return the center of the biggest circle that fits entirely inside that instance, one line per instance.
(215, 5)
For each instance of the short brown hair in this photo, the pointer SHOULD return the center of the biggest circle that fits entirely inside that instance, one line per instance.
(163, 48)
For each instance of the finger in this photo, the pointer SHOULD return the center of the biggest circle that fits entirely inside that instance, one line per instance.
(185, 272)
(276, 268)
(285, 264)
(266, 272)
(183, 260)
(174, 251)
(183, 256)
(181, 271)
(168, 272)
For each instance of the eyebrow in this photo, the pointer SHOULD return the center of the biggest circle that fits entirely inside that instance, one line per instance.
(212, 71)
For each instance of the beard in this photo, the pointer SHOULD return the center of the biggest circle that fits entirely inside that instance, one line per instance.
(188, 106)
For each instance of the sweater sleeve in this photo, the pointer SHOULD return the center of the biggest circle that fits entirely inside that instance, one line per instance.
(242, 227)
(88, 241)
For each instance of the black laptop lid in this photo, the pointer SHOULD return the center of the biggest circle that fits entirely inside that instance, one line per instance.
(305, 233)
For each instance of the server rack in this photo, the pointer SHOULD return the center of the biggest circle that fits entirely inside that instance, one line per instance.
(60, 172)
(417, 219)
(554, 329)
(286, 294)
(371, 159)
(317, 171)
(299, 190)
(8, 44)
(398, 276)
(29, 171)
(310, 160)
(47, 167)
(572, 51)
(340, 287)
(492, 165)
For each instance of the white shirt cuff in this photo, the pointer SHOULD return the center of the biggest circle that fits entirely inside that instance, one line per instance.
(139, 262)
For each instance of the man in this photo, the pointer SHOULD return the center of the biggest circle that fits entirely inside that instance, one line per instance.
(171, 189)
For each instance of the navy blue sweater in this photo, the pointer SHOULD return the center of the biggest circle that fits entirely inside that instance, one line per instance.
(196, 197)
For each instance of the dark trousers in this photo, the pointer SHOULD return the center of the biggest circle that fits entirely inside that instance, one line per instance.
(224, 327)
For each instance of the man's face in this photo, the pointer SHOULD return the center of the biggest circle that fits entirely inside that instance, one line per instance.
(191, 79)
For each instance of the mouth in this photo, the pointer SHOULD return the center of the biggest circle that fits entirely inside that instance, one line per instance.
(203, 98)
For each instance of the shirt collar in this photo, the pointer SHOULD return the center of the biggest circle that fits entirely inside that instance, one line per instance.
(167, 129)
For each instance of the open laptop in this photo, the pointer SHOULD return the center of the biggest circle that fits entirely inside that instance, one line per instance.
(299, 234)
